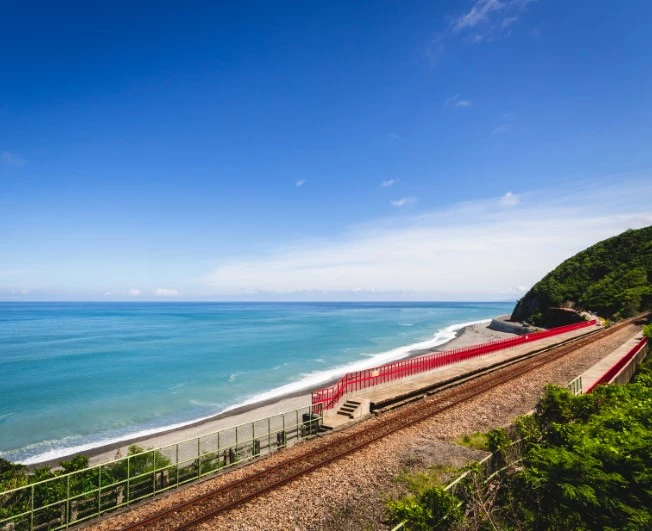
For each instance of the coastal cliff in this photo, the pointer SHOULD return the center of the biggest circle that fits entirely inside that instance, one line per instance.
(612, 278)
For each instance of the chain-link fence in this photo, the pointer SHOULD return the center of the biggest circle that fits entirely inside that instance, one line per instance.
(68, 499)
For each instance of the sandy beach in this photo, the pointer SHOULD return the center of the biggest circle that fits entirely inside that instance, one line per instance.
(467, 336)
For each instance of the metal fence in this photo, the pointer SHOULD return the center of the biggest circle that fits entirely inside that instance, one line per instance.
(575, 386)
(354, 381)
(72, 498)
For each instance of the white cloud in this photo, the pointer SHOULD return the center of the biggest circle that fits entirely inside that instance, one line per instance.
(11, 159)
(404, 201)
(485, 21)
(387, 183)
(134, 292)
(163, 292)
(508, 21)
(392, 137)
(479, 13)
(468, 251)
(504, 128)
(488, 18)
(456, 102)
(300, 182)
(510, 200)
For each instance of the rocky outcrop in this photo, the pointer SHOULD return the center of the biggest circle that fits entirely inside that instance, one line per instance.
(503, 324)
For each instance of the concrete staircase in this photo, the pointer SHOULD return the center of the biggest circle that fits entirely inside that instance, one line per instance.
(348, 408)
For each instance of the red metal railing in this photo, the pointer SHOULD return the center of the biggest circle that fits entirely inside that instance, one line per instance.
(618, 366)
(354, 381)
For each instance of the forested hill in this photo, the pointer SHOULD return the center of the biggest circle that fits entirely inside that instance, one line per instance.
(612, 278)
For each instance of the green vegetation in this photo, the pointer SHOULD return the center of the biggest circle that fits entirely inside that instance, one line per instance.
(612, 278)
(476, 440)
(145, 468)
(647, 332)
(584, 462)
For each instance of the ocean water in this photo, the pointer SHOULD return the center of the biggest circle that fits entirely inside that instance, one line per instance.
(74, 376)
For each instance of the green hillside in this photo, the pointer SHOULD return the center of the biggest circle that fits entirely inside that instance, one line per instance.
(612, 278)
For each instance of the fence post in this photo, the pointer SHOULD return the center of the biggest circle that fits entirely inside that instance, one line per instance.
(154, 472)
(99, 489)
(198, 453)
(67, 500)
(177, 453)
(128, 479)
(31, 510)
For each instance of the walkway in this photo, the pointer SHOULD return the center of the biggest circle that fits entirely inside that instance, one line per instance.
(592, 375)
(379, 396)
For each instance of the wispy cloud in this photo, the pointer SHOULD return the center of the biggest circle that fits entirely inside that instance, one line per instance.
(510, 200)
(11, 159)
(486, 17)
(392, 137)
(473, 249)
(300, 182)
(387, 183)
(404, 201)
(456, 102)
(134, 292)
(165, 292)
(485, 21)
(508, 21)
(503, 128)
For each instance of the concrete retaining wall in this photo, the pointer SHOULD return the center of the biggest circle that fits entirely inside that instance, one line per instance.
(501, 324)
(626, 373)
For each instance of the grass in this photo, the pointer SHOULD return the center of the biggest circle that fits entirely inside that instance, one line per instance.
(476, 440)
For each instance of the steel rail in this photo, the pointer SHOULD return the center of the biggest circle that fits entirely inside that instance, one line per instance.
(209, 505)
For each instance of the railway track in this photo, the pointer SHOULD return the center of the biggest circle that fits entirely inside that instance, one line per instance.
(196, 511)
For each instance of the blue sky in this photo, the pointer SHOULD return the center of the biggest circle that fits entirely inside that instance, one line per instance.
(316, 150)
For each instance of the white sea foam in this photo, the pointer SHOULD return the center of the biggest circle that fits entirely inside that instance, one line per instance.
(70, 446)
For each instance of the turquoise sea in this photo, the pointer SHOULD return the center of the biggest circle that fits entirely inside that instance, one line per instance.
(74, 376)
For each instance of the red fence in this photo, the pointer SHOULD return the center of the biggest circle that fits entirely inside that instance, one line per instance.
(354, 381)
(618, 366)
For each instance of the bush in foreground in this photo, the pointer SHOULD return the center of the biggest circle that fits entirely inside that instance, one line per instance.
(585, 463)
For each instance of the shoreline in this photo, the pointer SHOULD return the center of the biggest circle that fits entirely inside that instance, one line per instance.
(470, 334)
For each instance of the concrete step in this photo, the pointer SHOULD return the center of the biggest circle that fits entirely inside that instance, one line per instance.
(348, 408)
